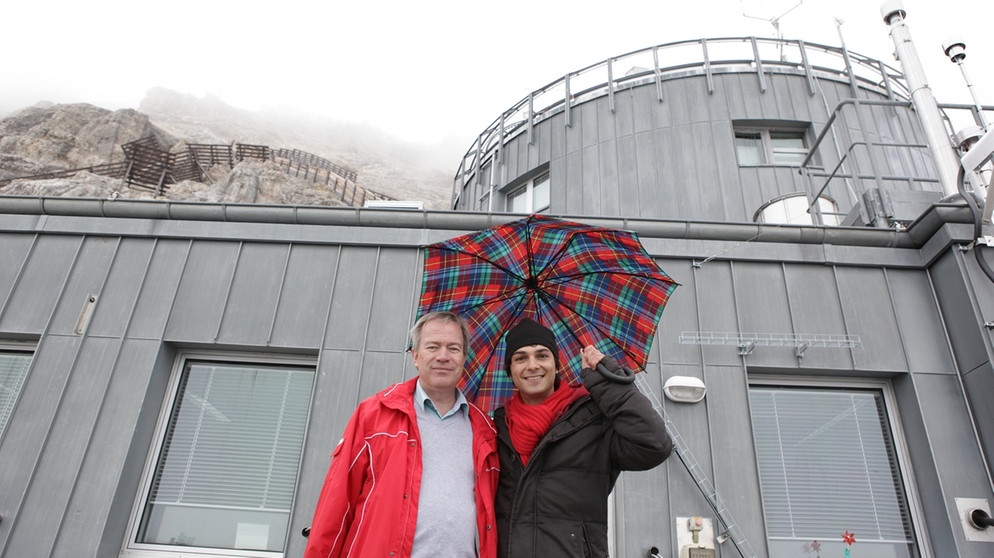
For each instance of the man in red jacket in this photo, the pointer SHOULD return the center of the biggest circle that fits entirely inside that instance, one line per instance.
(416, 470)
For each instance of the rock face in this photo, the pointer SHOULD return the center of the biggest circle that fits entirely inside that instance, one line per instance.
(43, 139)
(48, 138)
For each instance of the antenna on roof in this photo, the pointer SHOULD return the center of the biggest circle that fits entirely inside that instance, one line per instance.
(838, 27)
(775, 21)
(955, 49)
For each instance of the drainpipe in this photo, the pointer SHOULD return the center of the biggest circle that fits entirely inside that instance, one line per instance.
(939, 144)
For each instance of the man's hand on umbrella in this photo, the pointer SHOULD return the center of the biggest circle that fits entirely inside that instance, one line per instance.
(591, 357)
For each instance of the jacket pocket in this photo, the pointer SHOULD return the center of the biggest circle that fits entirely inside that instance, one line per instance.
(578, 538)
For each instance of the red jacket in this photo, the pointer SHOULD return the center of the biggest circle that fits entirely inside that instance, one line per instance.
(369, 503)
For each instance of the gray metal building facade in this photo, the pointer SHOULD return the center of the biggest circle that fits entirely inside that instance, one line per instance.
(109, 299)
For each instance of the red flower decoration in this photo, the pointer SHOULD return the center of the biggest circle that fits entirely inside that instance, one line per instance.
(849, 538)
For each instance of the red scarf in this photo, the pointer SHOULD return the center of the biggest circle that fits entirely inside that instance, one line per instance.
(528, 423)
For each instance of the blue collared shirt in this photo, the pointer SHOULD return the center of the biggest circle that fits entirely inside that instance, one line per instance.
(423, 402)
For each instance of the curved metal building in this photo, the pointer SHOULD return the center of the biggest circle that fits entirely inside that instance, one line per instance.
(711, 130)
(174, 376)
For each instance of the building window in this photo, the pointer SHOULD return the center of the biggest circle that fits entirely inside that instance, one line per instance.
(225, 472)
(770, 146)
(533, 197)
(828, 464)
(792, 209)
(14, 365)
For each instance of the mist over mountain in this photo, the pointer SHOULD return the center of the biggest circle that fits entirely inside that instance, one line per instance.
(45, 138)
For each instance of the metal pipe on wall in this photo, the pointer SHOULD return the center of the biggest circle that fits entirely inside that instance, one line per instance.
(940, 146)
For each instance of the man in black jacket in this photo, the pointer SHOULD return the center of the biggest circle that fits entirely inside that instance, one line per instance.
(561, 448)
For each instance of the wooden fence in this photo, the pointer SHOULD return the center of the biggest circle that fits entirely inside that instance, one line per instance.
(113, 170)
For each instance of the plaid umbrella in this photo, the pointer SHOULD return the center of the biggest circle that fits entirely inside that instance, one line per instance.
(589, 285)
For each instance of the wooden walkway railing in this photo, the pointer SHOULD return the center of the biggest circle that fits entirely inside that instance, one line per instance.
(113, 170)
(145, 165)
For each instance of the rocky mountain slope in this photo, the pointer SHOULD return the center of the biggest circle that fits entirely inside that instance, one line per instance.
(46, 138)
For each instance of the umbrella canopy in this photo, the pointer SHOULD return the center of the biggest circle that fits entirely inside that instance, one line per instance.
(589, 285)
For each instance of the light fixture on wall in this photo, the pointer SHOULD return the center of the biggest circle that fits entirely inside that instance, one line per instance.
(684, 389)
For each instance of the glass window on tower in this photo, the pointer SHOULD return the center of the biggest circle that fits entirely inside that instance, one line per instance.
(761, 145)
(532, 197)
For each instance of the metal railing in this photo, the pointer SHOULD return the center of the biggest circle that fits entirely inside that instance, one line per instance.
(654, 65)
(848, 168)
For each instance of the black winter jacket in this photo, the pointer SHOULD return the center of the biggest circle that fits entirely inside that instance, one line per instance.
(557, 505)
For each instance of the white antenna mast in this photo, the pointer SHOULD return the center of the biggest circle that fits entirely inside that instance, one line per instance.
(838, 27)
(955, 49)
(775, 21)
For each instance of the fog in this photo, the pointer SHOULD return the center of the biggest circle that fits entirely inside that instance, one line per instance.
(420, 71)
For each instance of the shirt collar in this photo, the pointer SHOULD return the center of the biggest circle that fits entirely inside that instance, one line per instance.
(423, 402)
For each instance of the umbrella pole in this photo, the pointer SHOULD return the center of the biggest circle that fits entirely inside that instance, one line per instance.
(731, 529)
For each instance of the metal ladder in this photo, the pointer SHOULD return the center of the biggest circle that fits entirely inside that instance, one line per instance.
(731, 530)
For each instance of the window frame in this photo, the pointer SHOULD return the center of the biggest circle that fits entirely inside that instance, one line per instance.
(527, 190)
(916, 511)
(134, 549)
(828, 211)
(766, 147)
(18, 348)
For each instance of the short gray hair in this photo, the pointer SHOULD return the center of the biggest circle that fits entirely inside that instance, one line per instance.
(444, 316)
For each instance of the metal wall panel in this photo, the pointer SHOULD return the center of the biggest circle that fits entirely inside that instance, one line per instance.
(716, 310)
(636, 529)
(55, 474)
(607, 180)
(351, 299)
(114, 310)
(107, 479)
(681, 314)
(815, 309)
(762, 308)
(396, 293)
(919, 322)
(646, 191)
(158, 288)
(674, 196)
(14, 251)
(301, 320)
(954, 449)
(627, 170)
(735, 472)
(203, 290)
(927, 477)
(256, 288)
(953, 296)
(38, 286)
(382, 369)
(870, 314)
(336, 393)
(25, 438)
(86, 280)
(709, 191)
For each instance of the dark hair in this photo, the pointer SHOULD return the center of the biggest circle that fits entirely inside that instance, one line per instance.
(444, 316)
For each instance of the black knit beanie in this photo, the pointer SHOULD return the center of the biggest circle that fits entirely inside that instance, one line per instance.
(526, 333)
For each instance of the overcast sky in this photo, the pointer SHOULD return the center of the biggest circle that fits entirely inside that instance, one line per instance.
(420, 70)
